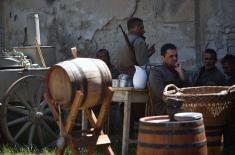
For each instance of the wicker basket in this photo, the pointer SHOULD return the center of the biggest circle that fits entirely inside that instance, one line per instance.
(211, 101)
(214, 102)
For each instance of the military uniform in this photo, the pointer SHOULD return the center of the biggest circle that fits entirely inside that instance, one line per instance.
(126, 59)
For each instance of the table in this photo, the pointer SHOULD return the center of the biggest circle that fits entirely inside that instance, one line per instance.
(128, 95)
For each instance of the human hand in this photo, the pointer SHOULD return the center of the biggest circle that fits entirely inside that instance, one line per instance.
(179, 70)
(178, 67)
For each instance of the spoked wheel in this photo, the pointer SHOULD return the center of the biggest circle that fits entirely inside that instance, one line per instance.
(27, 119)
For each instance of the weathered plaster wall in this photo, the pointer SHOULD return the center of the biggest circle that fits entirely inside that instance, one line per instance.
(218, 26)
(64, 23)
(93, 24)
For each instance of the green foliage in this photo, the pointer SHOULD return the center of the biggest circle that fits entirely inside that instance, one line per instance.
(11, 150)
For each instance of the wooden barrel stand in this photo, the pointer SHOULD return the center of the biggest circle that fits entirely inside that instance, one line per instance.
(80, 84)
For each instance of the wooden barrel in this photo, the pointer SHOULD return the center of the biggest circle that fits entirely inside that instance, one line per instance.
(215, 130)
(229, 130)
(159, 136)
(214, 134)
(91, 76)
(214, 139)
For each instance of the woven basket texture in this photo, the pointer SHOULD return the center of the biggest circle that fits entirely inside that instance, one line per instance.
(211, 101)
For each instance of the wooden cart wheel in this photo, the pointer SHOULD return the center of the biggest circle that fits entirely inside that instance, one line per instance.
(27, 120)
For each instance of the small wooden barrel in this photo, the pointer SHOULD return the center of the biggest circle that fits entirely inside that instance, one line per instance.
(159, 136)
(91, 76)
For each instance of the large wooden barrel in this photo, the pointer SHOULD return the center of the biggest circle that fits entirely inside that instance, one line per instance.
(91, 76)
(214, 139)
(159, 136)
(214, 134)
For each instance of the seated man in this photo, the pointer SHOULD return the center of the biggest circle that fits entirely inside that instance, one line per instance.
(228, 63)
(114, 112)
(170, 72)
(103, 54)
(209, 74)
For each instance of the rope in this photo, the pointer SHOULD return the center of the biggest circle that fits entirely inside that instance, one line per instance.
(60, 121)
(38, 49)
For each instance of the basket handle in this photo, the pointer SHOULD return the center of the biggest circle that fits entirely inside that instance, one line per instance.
(171, 87)
(232, 88)
(231, 92)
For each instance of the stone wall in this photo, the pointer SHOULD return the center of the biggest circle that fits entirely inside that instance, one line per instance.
(1, 27)
(89, 25)
(218, 25)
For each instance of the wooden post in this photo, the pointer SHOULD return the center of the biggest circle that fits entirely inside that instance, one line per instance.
(104, 108)
(74, 110)
(70, 120)
(74, 52)
(98, 123)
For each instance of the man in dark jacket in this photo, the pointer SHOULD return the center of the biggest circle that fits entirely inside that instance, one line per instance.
(170, 72)
(103, 54)
(209, 74)
(228, 63)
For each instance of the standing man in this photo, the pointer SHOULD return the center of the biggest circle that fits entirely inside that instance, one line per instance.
(133, 50)
(170, 72)
(208, 74)
(140, 53)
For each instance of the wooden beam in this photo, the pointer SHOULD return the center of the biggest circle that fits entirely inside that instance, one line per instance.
(77, 102)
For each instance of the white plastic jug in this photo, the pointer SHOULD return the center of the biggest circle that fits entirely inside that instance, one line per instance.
(139, 78)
